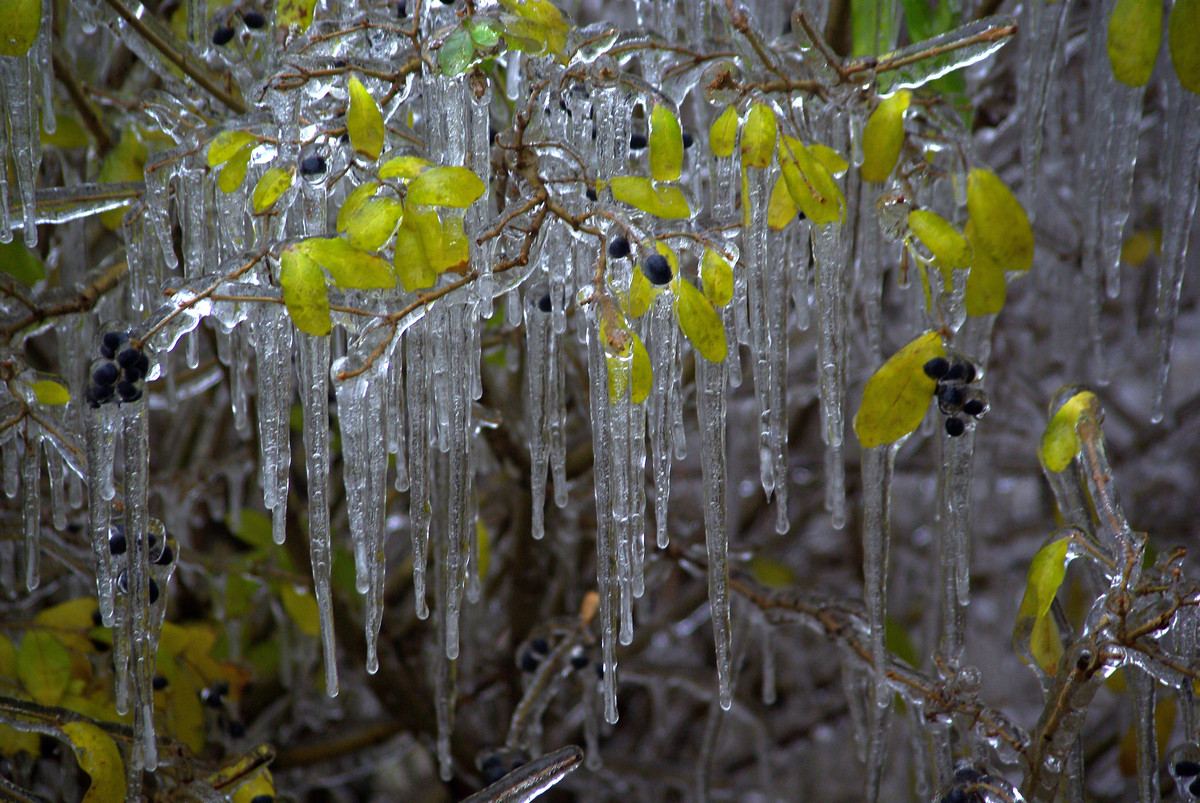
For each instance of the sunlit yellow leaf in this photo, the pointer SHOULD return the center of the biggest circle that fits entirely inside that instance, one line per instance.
(1060, 442)
(350, 268)
(781, 209)
(354, 202)
(1183, 42)
(404, 167)
(1134, 35)
(43, 666)
(809, 183)
(226, 144)
(455, 249)
(304, 293)
(99, 757)
(1046, 573)
(20, 263)
(374, 224)
(946, 244)
(1001, 230)
(897, 395)
(234, 172)
(883, 135)
(699, 322)
(295, 12)
(666, 144)
(641, 294)
(717, 277)
(301, 606)
(445, 186)
(272, 184)
(666, 202)
(364, 121)
(20, 21)
(758, 136)
(722, 136)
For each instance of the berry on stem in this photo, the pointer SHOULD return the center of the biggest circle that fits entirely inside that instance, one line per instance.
(543, 303)
(937, 367)
(254, 19)
(222, 36)
(955, 427)
(657, 269)
(618, 247)
(312, 165)
(637, 142)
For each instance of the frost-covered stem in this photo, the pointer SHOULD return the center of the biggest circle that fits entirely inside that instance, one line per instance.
(1142, 685)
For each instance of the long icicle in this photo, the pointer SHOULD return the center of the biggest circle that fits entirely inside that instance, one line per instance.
(710, 408)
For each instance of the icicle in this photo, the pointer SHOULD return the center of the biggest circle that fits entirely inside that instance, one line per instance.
(774, 442)
(1040, 44)
(140, 622)
(56, 473)
(159, 173)
(31, 501)
(395, 418)
(537, 351)
(272, 332)
(445, 677)
(313, 353)
(662, 335)
(754, 251)
(417, 389)
(711, 404)
(24, 136)
(557, 413)
(1180, 172)
(954, 489)
(1143, 687)
(829, 251)
(12, 465)
(100, 432)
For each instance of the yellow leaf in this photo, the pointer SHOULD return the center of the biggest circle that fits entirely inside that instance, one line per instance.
(1138, 247)
(364, 121)
(301, 606)
(445, 186)
(758, 136)
(641, 294)
(43, 666)
(830, 159)
(304, 293)
(666, 145)
(272, 184)
(809, 184)
(897, 395)
(374, 224)
(355, 201)
(68, 134)
(986, 289)
(1134, 35)
(717, 277)
(8, 658)
(20, 21)
(722, 136)
(883, 135)
(455, 249)
(1001, 230)
(349, 267)
(226, 144)
(1046, 644)
(404, 167)
(781, 209)
(1060, 442)
(943, 241)
(260, 783)
(298, 13)
(1183, 42)
(698, 321)
(666, 202)
(50, 392)
(1046, 573)
(772, 573)
(411, 263)
(234, 172)
(99, 757)
(71, 621)
(643, 374)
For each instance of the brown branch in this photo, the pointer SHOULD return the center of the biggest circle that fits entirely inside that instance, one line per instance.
(86, 299)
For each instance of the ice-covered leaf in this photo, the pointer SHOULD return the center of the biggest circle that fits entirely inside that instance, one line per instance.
(544, 26)
(99, 757)
(125, 162)
(944, 241)
(641, 295)
(897, 395)
(68, 134)
(758, 136)
(43, 666)
(456, 53)
(445, 186)
(986, 288)
(354, 202)
(234, 172)
(643, 374)
(1001, 230)
(374, 224)
(717, 278)
(1060, 442)
(666, 202)
(809, 183)
(301, 606)
(226, 144)
(722, 136)
(272, 184)
(485, 33)
(1183, 42)
(411, 263)
(304, 293)
(781, 209)
(20, 263)
(666, 144)
(295, 12)
(350, 268)
(1045, 643)
(1134, 35)
(455, 249)
(50, 392)
(20, 21)
(364, 121)
(883, 135)
(830, 159)
(698, 320)
(404, 167)
(1046, 573)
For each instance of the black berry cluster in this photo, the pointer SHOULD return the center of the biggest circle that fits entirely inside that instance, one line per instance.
(954, 392)
(161, 554)
(223, 34)
(119, 374)
(969, 786)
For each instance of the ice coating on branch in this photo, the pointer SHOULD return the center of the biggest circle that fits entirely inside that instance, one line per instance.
(710, 409)
(829, 252)
(31, 501)
(272, 332)
(419, 418)
(662, 342)
(100, 427)
(1143, 686)
(1040, 43)
(966, 45)
(18, 101)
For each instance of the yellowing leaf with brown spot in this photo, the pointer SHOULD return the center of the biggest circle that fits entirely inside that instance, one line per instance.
(883, 136)
(43, 666)
(666, 202)
(758, 136)
(717, 277)
(411, 263)
(722, 135)
(304, 293)
(897, 395)
(698, 321)
(1060, 442)
(350, 268)
(374, 224)
(364, 121)
(445, 186)
(1001, 230)
(666, 144)
(947, 245)
(226, 144)
(20, 21)
(298, 13)
(271, 185)
(99, 757)
(1183, 43)
(1134, 35)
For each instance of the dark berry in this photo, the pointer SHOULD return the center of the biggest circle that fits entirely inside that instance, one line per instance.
(312, 165)
(967, 774)
(1194, 788)
(339, 64)
(237, 730)
(253, 19)
(951, 397)
(956, 795)
(657, 269)
(97, 619)
(165, 557)
(687, 139)
(129, 391)
(637, 142)
(153, 591)
(99, 395)
(106, 375)
(955, 427)
(590, 192)
(1187, 768)
(529, 662)
(222, 36)
(968, 372)
(618, 247)
(543, 303)
(493, 769)
(956, 373)
(221, 687)
(937, 367)
(259, 798)
(111, 342)
(539, 646)
(211, 698)
(579, 660)
(127, 358)
(133, 375)
(116, 544)
(401, 10)
(159, 683)
(447, 2)
(973, 407)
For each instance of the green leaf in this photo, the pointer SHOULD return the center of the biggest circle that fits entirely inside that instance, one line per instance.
(364, 121)
(641, 295)
(809, 183)
(298, 13)
(666, 144)
(20, 263)
(301, 606)
(1046, 573)
(1060, 442)
(1183, 43)
(304, 293)
(226, 144)
(354, 202)
(446, 186)
(872, 27)
(943, 241)
(883, 135)
(404, 167)
(1134, 35)
(758, 136)
(350, 268)
(456, 52)
(50, 392)
(698, 321)
(717, 278)
(68, 134)
(374, 224)
(722, 136)
(485, 33)
(43, 666)
(234, 172)
(897, 395)
(272, 184)
(667, 202)
(99, 757)
(1000, 228)
(20, 21)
